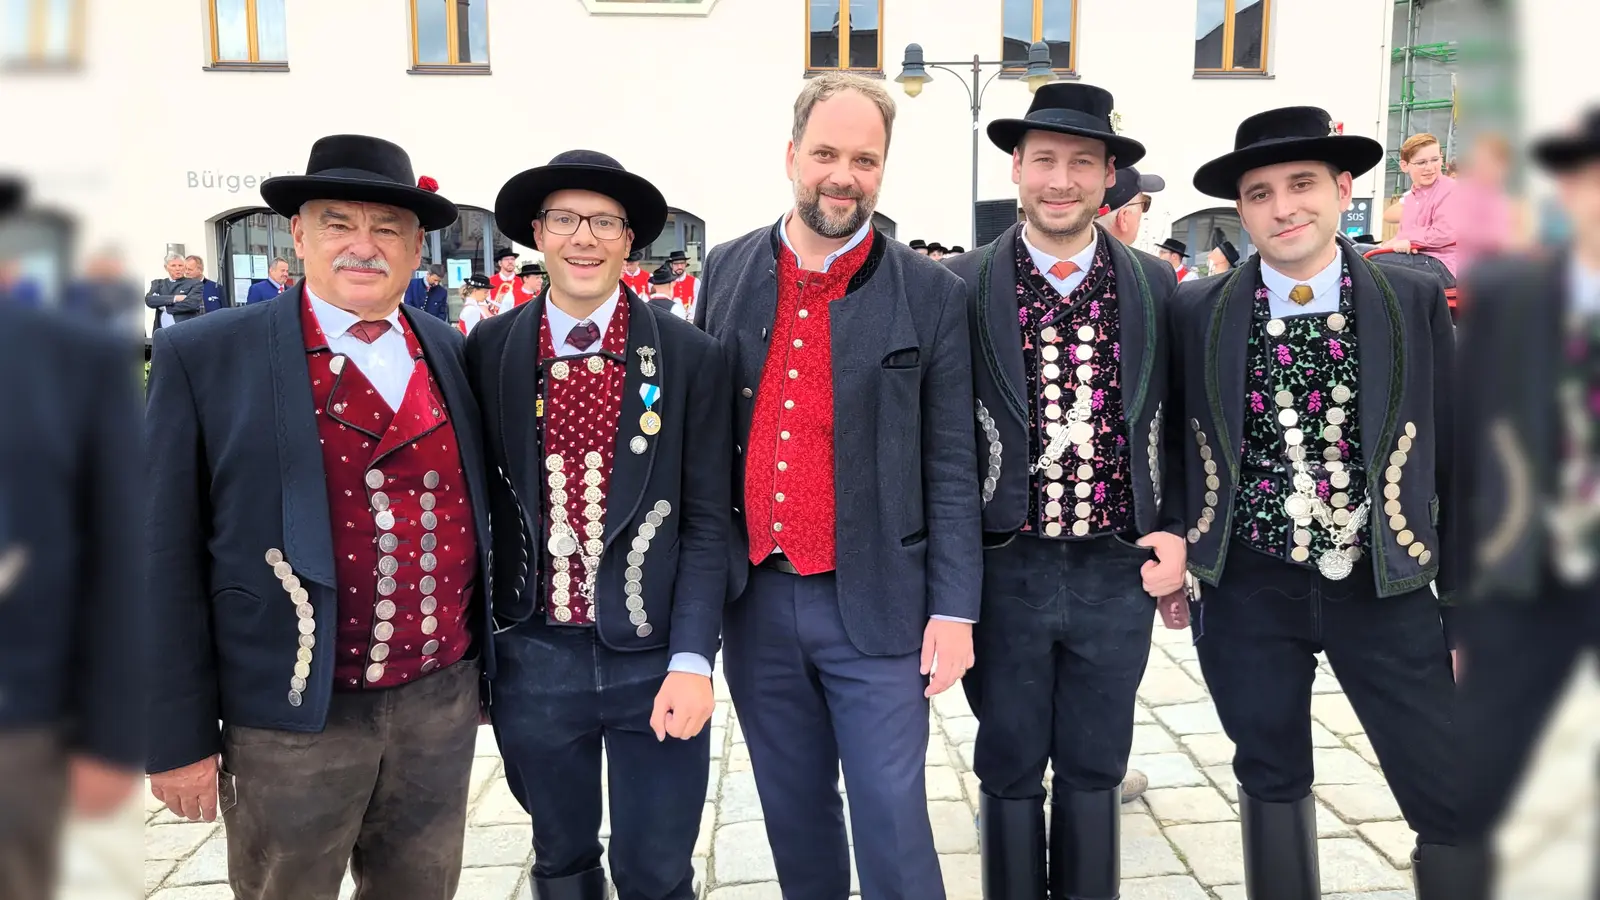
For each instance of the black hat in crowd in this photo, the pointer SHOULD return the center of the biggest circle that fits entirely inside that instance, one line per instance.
(635, 256)
(663, 275)
(1571, 148)
(1229, 252)
(504, 252)
(1289, 134)
(957, 249)
(360, 169)
(936, 247)
(1174, 245)
(1364, 239)
(1130, 184)
(522, 198)
(1069, 108)
(476, 282)
(677, 256)
(12, 191)
(918, 244)
(530, 269)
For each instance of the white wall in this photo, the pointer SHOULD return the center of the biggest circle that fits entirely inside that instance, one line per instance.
(565, 78)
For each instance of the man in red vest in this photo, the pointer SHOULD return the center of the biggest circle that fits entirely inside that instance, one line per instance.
(635, 277)
(859, 563)
(611, 535)
(532, 282)
(687, 289)
(315, 574)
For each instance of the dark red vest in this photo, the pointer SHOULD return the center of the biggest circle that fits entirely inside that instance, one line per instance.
(404, 544)
(788, 486)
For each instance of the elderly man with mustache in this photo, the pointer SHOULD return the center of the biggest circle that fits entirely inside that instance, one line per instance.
(859, 560)
(318, 571)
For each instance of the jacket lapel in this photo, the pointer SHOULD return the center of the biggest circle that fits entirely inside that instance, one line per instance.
(307, 534)
(754, 315)
(1003, 334)
(1227, 355)
(519, 423)
(1380, 332)
(630, 471)
(460, 405)
(1136, 315)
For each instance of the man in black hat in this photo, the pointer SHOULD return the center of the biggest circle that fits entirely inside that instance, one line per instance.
(532, 275)
(936, 251)
(919, 245)
(611, 537)
(1173, 252)
(1319, 497)
(635, 277)
(660, 292)
(1223, 256)
(315, 576)
(686, 290)
(1070, 409)
(504, 280)
(1126, 203)
(857, 560)
(1530, 364)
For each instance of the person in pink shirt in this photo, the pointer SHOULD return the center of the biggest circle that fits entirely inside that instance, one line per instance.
(1432, 221)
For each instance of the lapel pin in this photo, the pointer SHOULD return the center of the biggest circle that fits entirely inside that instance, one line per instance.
(638, 445)
(650, 422)
(647, 362)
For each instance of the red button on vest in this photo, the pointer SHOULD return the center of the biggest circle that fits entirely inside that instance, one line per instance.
(788, 487)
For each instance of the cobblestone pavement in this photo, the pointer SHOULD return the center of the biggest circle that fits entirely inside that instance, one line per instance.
(1180, 842)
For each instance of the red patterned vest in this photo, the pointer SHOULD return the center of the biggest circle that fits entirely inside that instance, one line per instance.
(683, 292)
(788, 484)
(580, 422)
(404, 544)
(638, 282)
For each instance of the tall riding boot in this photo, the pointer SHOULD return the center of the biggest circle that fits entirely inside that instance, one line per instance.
(1441, 872)
(1085, 844)
(1011, 833)
(1280, 849)
(587, 885)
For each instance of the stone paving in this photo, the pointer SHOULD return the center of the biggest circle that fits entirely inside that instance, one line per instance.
(1180, 842)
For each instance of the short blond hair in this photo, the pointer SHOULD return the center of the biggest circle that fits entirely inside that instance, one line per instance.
(826, 86)
(1415, 143)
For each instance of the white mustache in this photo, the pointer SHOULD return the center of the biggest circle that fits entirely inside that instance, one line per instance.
(356, 262)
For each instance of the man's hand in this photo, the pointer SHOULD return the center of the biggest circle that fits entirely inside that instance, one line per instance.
(98, 788)
(1174, 610)
(946, 653)
(1164, 574)
(191, 791)
(683, 706)
(1400, 245)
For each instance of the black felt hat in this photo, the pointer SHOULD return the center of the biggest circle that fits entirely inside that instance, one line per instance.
(936, 247)
(1069, 108)
(1130, 184)
(522, 198)
(1288, 134)
(530, 269)
(1229, 252)
(663, 275)
(1364, 239)
(476, 282)
(1174, 245)
(677, 256)
(504, 252)
(1572, 148)
(635, 256)
(957, 249)
(918, 244)
(360, 169)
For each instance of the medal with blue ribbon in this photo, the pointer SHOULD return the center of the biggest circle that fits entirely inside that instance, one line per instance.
(650, 422)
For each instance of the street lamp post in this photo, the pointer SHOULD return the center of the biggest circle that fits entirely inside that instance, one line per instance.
(1038, 71)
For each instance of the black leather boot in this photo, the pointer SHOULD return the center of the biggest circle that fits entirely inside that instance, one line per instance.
(586, 885)
(1440, 872)
(1280, 849)
(1086, 844)
(1011, 833)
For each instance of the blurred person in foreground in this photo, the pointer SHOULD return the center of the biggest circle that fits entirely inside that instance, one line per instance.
(1316, 387)
(318, 528)
(71, 723)
(1530, 459)
(1497, 221)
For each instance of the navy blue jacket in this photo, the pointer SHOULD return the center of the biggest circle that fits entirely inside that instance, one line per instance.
(212, 292)
(261, 290)
(71, 608)
(235, 470)
(435, 301)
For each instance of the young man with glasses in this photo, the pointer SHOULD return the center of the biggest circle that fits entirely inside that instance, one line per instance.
(1432, 218)
(610, 538)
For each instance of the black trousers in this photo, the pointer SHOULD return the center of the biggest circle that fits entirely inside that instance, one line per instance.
(1518, 657)
(1259, 633)
(559, 694)
(1061, 648)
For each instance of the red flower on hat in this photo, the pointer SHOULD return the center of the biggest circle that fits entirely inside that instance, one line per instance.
(428, 184)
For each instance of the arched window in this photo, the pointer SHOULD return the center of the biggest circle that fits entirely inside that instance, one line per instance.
(465, 248)
(247, 242)
(884, 224)
(685, 231)
(1205, 229)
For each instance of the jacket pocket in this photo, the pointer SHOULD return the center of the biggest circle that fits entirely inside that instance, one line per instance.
(1433, 510)
(911, 540)
(908, 358)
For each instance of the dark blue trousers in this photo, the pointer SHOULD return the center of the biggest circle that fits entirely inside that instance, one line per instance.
(1259, 635)
(558, 695)
(808, 701)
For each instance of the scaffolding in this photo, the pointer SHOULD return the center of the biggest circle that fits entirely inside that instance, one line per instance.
(1423, 94)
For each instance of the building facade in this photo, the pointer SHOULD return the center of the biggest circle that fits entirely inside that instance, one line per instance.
(212, 96)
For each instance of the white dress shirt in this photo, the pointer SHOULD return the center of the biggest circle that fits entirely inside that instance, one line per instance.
(1324, 288)
(1584, 283)
(827, 263)
(561, 325)
(386, 362)
(1084, 258)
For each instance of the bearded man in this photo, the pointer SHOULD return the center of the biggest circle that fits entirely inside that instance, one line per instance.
(856, 581)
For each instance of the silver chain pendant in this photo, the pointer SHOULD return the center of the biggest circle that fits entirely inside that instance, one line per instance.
(1335, 565)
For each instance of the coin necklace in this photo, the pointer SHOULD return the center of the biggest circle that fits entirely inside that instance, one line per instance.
(1304, 506)
(1076, 430)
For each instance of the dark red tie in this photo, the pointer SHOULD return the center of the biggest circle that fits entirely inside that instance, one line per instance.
(583, 335)
(367, 332)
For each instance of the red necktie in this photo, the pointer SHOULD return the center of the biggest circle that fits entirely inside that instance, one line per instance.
(583, 335)
(1063, 269)
(367, 332)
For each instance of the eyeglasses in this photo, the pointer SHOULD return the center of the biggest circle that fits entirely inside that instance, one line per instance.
(604, 227)
(1144, 203)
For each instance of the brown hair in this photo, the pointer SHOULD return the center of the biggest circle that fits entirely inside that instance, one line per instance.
(826, 86)
(1414, 143)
